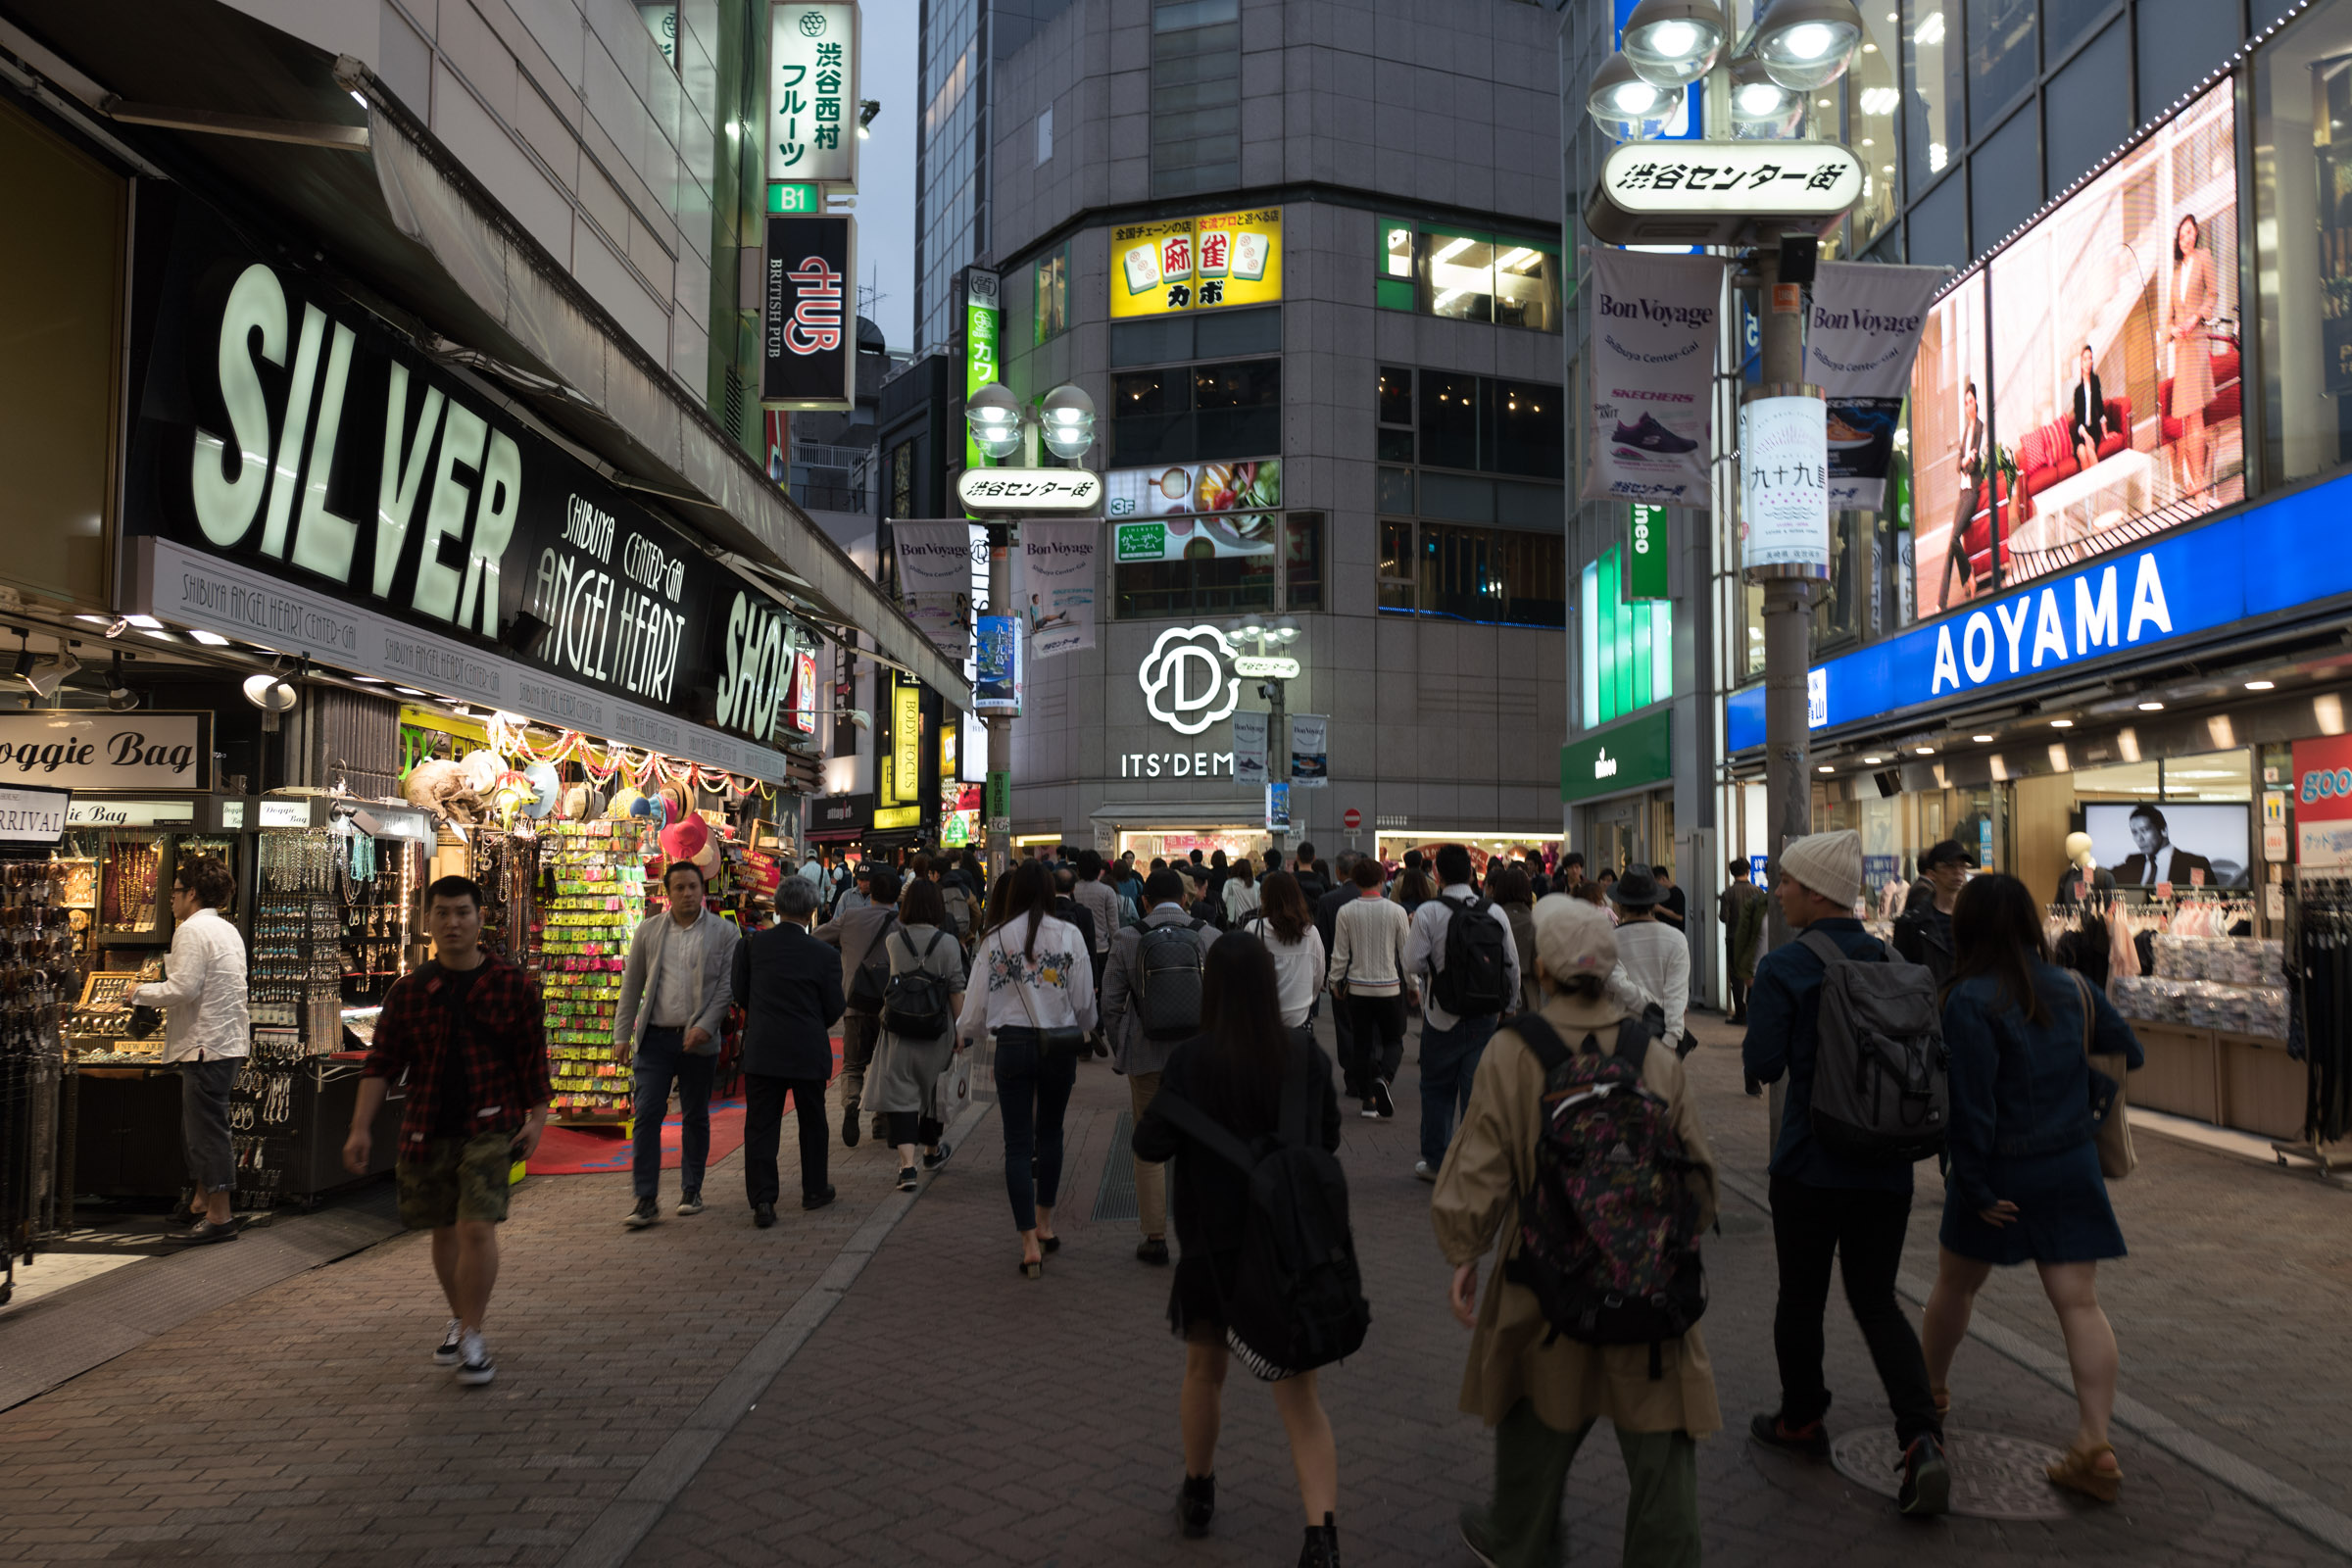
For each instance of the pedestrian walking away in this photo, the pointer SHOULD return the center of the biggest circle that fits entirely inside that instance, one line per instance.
(1370, 979)
(1146, 1016)
(1101, 901)
(788, 985)
(1240, 895)
(1341, 891)
(675, 993)
(859, 933)
(1235, 1074)
(208, 1032)
(1513, 891)
(1033, 989)
(1657, 956)
(917, 1043)
(1283, 922)
(1470, 976)
(467, 1033)
(2025, 1184)
(1826, 1207)
(1740, 939)
(1540, 1391)
(1069, 908)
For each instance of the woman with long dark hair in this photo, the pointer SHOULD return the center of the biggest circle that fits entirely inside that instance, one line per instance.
(1032, 986)
(1283, 921)
(1234, 1072)
(2025, 1184)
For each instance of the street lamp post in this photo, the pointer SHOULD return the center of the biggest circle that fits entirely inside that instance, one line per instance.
(1267, 641)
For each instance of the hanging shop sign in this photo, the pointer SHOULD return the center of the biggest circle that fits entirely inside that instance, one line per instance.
(812, 92)
(998, 651)
(983, 331)
(302, 478)
(1189, 263)
(1184, 679)
(34, 816)
(1628, 648)
(86, 813)
(1310, 751)
(1629, 757)
(1278, 808)
(2241, 566)
(1024, 491)
(1721, 192)
(1055, 591)
(1784, 483)
(2323, 802)
(1653, 362)
(1249, 748)
(107, 753)
(1646, 552)
(1859, 347)
(839, 814)
(808, 349)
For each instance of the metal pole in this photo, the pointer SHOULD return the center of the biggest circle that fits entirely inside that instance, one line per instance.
(1001, 536)
(1278, 745)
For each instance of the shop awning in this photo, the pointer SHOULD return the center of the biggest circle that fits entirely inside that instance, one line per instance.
(374, 191)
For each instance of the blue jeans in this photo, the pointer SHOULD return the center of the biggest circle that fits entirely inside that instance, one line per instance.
(1448, 1065)
(662, 1061)
(1033, 1090)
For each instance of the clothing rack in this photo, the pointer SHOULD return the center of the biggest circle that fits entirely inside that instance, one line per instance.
(2319, 965)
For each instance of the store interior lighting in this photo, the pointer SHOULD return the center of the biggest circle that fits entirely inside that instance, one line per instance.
(1982, 740)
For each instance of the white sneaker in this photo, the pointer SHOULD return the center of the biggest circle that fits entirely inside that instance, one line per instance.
(1425, 1170)
(475, 1368)
(446, 1353)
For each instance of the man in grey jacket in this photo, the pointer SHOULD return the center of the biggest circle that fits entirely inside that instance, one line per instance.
(855, 932)
(1139, 1057)
(674, 994)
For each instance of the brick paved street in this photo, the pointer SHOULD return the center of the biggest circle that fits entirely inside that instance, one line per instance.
(948, 1411)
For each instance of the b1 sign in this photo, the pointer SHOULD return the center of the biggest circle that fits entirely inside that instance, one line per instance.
(1785, 482)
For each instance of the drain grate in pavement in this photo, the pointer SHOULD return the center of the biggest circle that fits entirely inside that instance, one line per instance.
(1993, 1476)
(1114, 1198)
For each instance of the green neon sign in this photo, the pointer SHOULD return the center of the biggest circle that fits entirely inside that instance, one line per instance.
(785, 196)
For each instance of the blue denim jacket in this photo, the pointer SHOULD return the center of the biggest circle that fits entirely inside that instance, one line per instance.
(1784, 1017)
(2023, 1089)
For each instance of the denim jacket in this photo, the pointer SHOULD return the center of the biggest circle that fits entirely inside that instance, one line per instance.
(2019, 1089)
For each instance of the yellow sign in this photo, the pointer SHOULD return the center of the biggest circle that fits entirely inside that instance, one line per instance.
(905, 744)
(898, 817)
(445, 723)
(1196, 263)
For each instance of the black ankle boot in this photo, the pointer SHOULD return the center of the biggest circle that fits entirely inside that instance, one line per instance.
(1196, 1504)
(1322, 1548)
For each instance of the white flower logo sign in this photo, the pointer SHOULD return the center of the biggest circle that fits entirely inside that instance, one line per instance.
(1184, 680)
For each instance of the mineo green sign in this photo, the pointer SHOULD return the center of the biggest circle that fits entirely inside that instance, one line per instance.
(1646, 553)
(1625, 758)
(982, 319)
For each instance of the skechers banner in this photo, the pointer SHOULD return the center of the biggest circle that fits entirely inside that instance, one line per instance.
(1864, 335)
(282, 429)
(1653, 353)
(2240, 567)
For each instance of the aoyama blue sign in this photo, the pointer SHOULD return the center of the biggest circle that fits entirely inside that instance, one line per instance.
(2275, 556)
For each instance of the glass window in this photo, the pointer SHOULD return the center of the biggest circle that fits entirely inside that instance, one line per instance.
(1151, 418)
(2002, 61)
(1396, 446)
(1196, 96)
(1940, 228)
(1458, 498)
(2303, 224)
(1397, 490)
(1448, 419)
(1152, 342)
(1932, 68)
(1302, 561)
(1052, 286)
(1396, 396)
(1220, 334)
(1239, 408)
(1396, 565)
(1526, 287)
(1872, 98)
(2065, 20)
(1392, 282)
(2179, 43)
(1526, 430)
(2002, 191)
(2083, 117)
(1457, 275)
(1159, 588)
(1495, 576)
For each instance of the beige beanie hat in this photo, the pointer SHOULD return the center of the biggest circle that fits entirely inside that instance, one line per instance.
(1829, 863)
(1574, 938)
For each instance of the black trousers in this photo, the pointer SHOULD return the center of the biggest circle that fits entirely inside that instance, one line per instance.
(1374, 1046)
(914, 1127)
(1864, 1232)
(763, 1133)
(1739, 1013)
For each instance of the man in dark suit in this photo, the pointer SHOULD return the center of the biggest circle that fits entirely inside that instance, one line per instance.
(2157, 860)
(789, 985)
(2088, 424)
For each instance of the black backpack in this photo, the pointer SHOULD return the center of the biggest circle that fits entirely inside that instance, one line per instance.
(1882, 1076)
(915, 1004)
(1168, 981)
(1297, 1298)
(1476, 978)
(871, 978)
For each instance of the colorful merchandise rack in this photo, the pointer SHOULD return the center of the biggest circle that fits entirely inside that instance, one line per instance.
(599, 897)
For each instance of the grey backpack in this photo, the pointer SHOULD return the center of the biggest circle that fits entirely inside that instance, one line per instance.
(1882, 1090)
(1168, 981)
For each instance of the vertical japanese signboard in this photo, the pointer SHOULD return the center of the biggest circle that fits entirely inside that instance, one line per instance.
(1196, 263)
(983, 322)
(808, 351)
(812, 92)
(1646, 553)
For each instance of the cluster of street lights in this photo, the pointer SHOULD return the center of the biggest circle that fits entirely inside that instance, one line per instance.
(1669, 45)
(1065, 420)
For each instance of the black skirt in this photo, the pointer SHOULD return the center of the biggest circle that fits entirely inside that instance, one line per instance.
(1197, 1295)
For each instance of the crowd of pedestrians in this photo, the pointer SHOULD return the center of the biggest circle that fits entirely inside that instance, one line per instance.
(1557, 1127)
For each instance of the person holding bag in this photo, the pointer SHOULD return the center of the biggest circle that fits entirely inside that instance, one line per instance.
(1033, 987)
(2030, 1116)
(917, 1042)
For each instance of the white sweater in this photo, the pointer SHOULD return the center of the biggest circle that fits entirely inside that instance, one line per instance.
(1657, 959)
(1367, 947)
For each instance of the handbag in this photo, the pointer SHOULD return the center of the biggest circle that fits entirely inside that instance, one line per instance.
(951, 1090)
(1063, 1040)
(2108, 1070)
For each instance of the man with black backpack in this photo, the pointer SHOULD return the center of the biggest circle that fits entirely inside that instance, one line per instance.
(864, 973)
(1593, 1311)
(1852, 1202)
(1150, 1004)
(1462, 944)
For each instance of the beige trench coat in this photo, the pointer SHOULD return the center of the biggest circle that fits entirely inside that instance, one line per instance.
(1477, 1196)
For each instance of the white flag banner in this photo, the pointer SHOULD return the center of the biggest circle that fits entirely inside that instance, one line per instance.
(1652, 365)
(1057, 590)
(937, 561)
(1249, 748)
(1864, 335)
(1310, 747)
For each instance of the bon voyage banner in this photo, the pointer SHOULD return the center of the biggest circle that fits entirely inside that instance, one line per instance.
(1653, 355)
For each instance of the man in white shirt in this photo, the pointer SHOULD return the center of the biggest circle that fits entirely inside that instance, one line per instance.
(207, 1032)
(1655, 955)
(1451, 1044)
(674, 994)
(1372, 983)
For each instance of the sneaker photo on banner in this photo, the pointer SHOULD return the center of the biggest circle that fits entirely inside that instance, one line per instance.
(1654, 357)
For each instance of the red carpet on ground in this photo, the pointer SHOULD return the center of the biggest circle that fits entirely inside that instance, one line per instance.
(598, 1151)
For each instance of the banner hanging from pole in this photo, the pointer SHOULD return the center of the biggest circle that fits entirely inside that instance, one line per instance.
(1250, 748)
(1654, 360)
(1055, 590)
(937, 561)
(1865, 333)
(1310, 747)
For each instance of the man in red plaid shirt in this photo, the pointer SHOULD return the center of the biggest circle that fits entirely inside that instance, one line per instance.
(470, 1034)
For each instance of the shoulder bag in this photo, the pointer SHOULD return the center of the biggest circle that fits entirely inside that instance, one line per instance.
(1063, 1040)
(2108, 1070)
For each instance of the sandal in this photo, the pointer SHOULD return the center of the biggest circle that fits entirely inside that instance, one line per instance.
(2080, 1472)
(1033, 1269)
(1943, 1401)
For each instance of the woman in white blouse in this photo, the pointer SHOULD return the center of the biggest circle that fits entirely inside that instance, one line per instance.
(1284, 923)
(1032, 986)
(1240, 894)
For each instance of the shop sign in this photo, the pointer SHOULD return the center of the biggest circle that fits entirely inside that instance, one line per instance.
(997, 659)
(34, 816)
(2322, 801)
(1716, 192)
(1196, 263)
(1278, 808)
(1199, 493)
(83, 749)
(1248, 748)
(2246, 565)
(1785, 484)
(997, 796)
(1182, 765)
(839, 814)
(1628, 648)
(371, 509)
(902, 761)
(1029, 490)
(1310, 751)
(983, 330)
(1184, 680)
(132, 813)
(1646, 552)
(808, 343)
(785, 197)
(1266, 667)
(286, 813)
(1627, 758)
(812, 92)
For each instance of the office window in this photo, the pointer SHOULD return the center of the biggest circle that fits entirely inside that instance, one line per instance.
(1051, 281)
(1932, 131)
(1044, 135)
(1394, 288)
(1494, 576)
(1448, 419)
(1302, 561)
(2083, 117)
(1182, 413)
(1396, 396)
(1474, 422)
(1523, 429)
(1239, 407)
(2179, 43)
(901, 479)
(1467, 277)
(1457, 273)
(2002, 191)
(1213, 335)
(1196, 96)
(2002, 60)
(1397, 564)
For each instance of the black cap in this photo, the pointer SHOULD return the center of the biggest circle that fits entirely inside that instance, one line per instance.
(1947, 852)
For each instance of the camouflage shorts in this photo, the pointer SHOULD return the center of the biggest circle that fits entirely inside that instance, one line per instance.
(456, 1179)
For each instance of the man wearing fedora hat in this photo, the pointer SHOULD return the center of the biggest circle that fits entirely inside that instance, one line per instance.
(1825, 1206)
(1657, 956)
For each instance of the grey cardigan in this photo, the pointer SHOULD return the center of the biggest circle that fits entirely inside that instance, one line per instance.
(717, 978)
